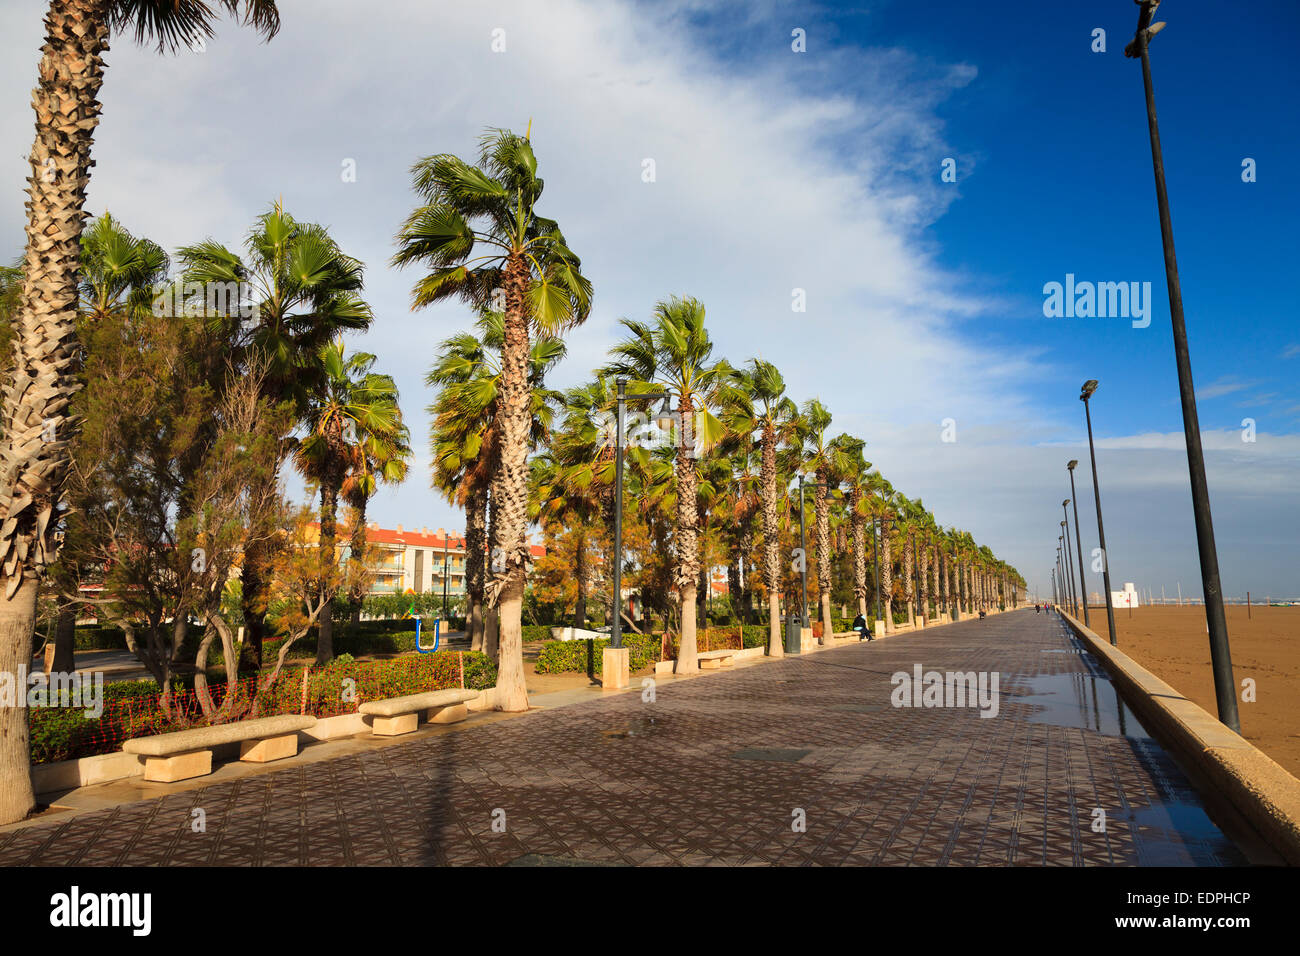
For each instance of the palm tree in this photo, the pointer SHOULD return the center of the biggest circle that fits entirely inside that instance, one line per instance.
(465, 439)
(299, 292)
(858, 477)
(827, 461)
(376, 458)
(528, 268)
(672, 352)
(65, 100)
(354, 401)
(754, 401)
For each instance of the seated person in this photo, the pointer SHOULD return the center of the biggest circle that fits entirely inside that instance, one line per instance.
(860, 625)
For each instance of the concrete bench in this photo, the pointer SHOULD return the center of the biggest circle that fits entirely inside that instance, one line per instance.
(712, 660)
(188, 753)
(401, 715)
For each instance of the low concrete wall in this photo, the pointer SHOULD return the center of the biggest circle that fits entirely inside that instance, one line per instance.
(1261, 790)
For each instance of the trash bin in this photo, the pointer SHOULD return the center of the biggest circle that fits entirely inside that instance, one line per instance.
(793, 634)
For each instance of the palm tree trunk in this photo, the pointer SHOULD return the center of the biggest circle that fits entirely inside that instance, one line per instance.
(688, 544)
(65, 637)
(65, 100)
(886, 576)
(510, 553)
(859, 526)
(909, 584)
(822, 519)
(771, 543)
(358, 594)
(475, 550)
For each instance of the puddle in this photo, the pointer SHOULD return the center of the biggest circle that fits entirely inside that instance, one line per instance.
(1087, 701)
(637, 727)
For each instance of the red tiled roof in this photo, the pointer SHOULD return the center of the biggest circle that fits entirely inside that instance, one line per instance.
(417, 539)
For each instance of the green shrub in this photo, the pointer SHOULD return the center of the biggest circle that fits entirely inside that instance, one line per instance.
(565, 656)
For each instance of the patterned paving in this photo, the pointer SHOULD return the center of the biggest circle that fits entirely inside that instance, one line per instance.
(711, 773)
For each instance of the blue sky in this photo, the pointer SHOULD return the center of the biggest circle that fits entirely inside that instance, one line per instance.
(818, 171)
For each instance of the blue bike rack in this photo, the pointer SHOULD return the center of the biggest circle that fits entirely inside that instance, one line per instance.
(437, 633)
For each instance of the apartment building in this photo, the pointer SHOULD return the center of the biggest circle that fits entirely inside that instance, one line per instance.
(416, 560)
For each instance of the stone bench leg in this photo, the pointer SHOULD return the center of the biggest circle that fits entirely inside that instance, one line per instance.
(197, 763)
(395, 726)
(269, 748)
(710, 664)
(450, 714)
(728, 661)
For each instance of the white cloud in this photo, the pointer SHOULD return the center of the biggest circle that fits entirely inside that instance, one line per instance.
(771, 175)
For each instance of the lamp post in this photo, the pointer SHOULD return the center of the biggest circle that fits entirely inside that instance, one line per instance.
(1054, 595)
(616, 626)
(1069, 565)
(875, 548)
(1089, 387)
(803, 563)
(1078, 543)
(1215, 619)
(1060, 572)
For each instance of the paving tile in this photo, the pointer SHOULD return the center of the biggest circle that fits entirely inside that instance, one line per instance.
(713, 772)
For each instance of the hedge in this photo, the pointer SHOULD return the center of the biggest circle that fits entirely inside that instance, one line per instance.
(561, 656)
(131, 707)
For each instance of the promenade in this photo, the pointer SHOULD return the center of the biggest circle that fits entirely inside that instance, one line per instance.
(792, 762)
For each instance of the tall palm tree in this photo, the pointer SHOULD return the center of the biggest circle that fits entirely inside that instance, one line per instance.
(754, 402)
(465, 439)
(827, 460)
(353, 402)
(672, 352)
(301, 291)
(36, 401)
(377, 458)
(524, 263)
(858, 478)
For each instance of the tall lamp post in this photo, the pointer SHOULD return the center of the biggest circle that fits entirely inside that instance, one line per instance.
(616, 626)
(1216, 621)
(1078, 543)
(1089, 387)
(1068, 563)
(1066, 597)
(875, 548)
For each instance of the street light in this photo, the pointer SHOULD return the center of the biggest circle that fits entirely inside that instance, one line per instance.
(1078, 543)
(875, 548)
(1089, 387)
(1068, 563)
(1215, 619)
(616, 626)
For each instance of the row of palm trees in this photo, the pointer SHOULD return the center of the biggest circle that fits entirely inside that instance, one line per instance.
(476, 235)
(717, 491)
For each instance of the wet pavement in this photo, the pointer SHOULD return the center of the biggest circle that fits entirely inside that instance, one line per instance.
(792, 762)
